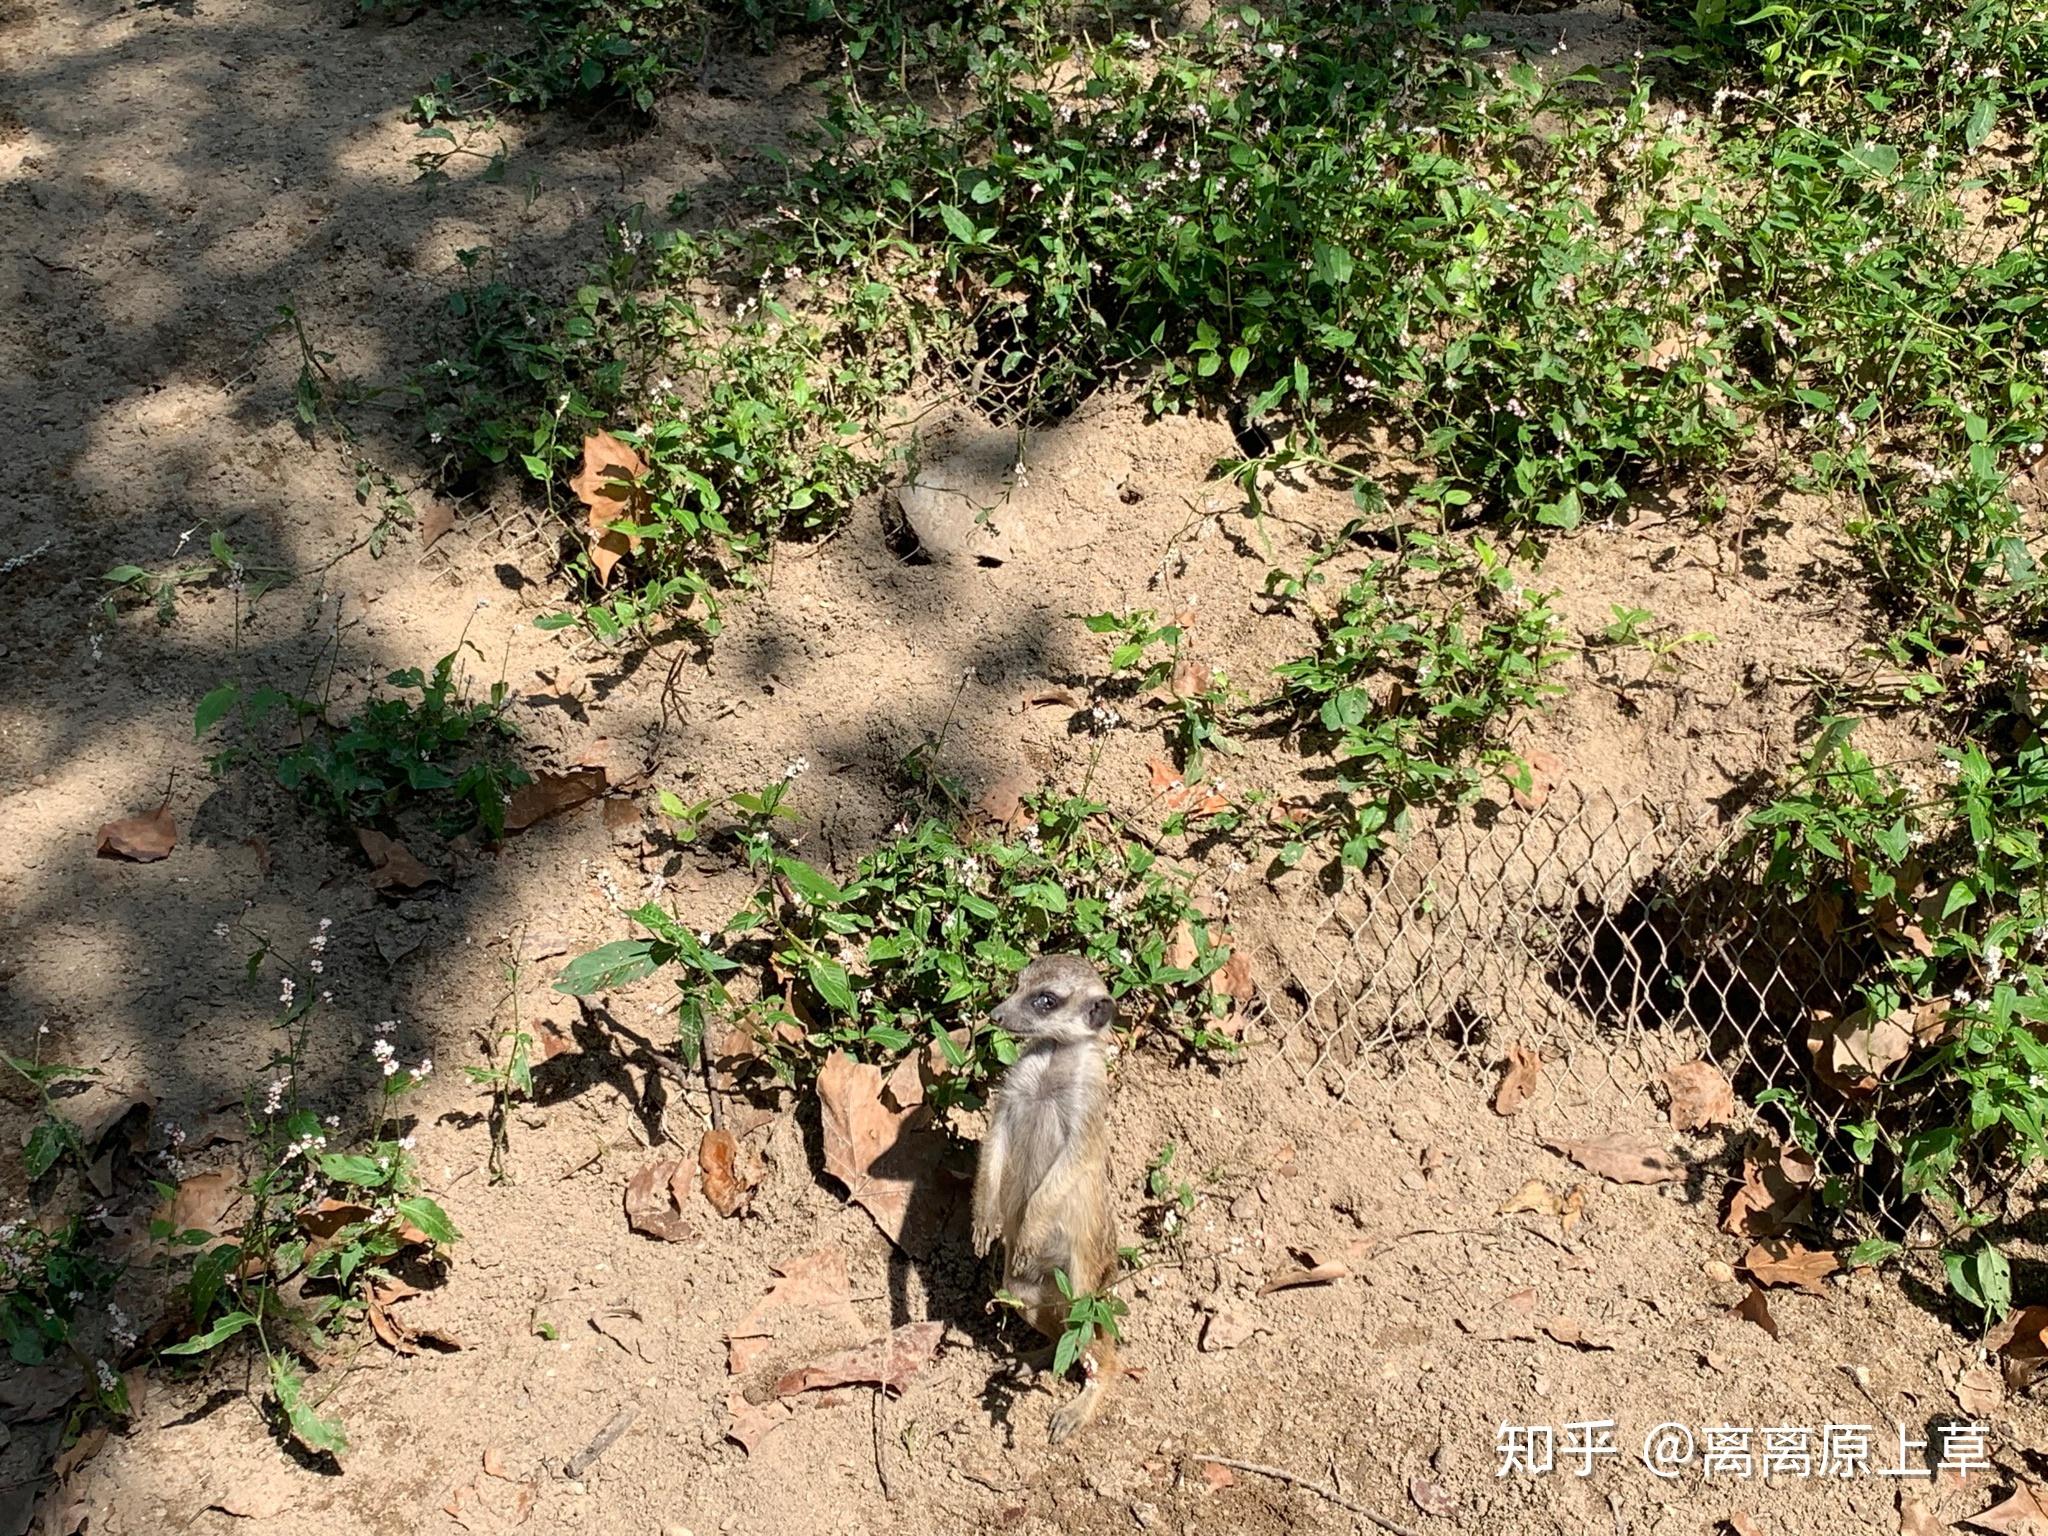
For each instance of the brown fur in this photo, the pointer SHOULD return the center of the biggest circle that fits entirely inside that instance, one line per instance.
(1043, 1183)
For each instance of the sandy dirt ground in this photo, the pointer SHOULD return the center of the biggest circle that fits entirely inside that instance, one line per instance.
(170, 174)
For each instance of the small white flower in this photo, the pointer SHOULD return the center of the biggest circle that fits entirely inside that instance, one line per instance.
(284, 992)
(795, 768)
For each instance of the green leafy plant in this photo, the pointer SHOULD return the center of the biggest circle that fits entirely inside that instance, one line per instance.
(1088, 1313)
(507, 1078)
(931, 926)
(52, 1136)
(1413, 704)
(1939, 889)
(314, 1226)
(46, 1277)
(224, 566)
(443, 748)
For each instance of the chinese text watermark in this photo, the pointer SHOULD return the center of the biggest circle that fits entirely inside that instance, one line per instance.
(1737, 1451)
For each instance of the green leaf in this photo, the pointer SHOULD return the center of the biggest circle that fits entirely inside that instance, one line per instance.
(607, 966)
(218, 1334)
(212, 707)
(312, 1431)
(1983, 1278)
(808, 883)
(1983, 118)
(958, 225)
(209, 1273)
(354, 1168)
(1870, 1252)
(46, 1143)
(1068, 1351)
(122, 575)
(429, 1218)
(830, 978)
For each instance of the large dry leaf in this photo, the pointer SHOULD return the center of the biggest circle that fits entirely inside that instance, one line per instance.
(1773, 1196)
(550, 794)
(1622, 1158)
(1916, 1519)
(811, 1296)
(1518, 1080)
(1002, 803)
(1979, 1392)
(140, 839)
(1534, 1196)
(1853, 1053)
(323, 1220)
(1311, 1269)
(880, 1145)
(889, 1363)
(403, 1337)
(1431, 1497)
(1546, 772)
(2023, 1340)
(718, 1155)
(607, 485)
(1190, 678)
(436, 519)
(2024, 1514)
(1777, 1262)
(1567, 1331)
(748, 1424)
(1700, 1096)
(1176, 794)
(1755, 1307)
(202, 1202)
(392, 865)
(656, 1197)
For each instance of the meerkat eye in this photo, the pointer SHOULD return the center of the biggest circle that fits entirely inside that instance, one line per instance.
(1044, 1002)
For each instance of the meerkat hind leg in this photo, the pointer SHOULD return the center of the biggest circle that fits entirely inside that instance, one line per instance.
(1098, 1365)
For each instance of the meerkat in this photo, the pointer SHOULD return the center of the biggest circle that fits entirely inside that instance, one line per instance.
(1043, 1183)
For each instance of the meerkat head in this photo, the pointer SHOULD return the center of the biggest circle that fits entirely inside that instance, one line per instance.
(1058, 998)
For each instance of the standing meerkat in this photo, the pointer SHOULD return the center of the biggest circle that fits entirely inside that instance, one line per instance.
(1043, 1183)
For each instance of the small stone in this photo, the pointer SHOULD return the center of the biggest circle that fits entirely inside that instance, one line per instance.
(1147, 1515)
(1226, 1330)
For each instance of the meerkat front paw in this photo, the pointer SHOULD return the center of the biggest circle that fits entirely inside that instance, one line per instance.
(984, 1238)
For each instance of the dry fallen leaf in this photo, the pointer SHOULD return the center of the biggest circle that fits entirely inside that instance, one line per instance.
(1757, 1309)
(1916, 1519)
(1622, 1158)
(1190, 678)
(1772, 1198)
(1568, 1332)
(494, 1465)
(1740, 1524)
(1518, 1080)
(1573, 1208)
(202, 1203)
(1311, 1270)
(880, 1145)
(80, 1451)
(1178, 795)
(323, 1220)
(1217, 1476)
(748, 1424)
(810, 1294)
(718, 1155)
(1979, 1392)
(435, 519)
(392, 866)
(2024, 1514)
(1700, 1096)
(1534, 1196)
(656, 1197)
(1546, 772)
(1853, 1053)
(607, 485)
(1234, 980)
(140, 839)
(889, 1363)
(1779, 1262)
(550, 794)
(1431, 1498)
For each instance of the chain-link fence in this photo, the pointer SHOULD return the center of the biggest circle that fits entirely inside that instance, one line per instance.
(1611, 937)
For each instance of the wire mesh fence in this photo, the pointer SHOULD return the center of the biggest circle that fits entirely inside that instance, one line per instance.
(1614, 938)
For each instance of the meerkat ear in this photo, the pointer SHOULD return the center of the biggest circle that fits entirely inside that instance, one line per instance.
(1102, 1013)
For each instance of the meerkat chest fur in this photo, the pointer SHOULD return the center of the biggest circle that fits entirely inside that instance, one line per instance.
(1049, 1112)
